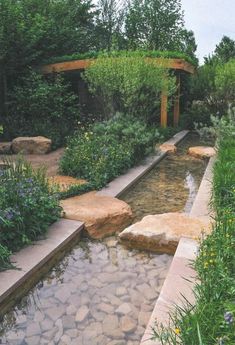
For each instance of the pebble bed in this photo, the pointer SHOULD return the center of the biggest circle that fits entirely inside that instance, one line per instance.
(99, 294)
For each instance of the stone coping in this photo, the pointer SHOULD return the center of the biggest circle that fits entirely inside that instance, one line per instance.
(31, 259)
(181, 277)
(120, 184)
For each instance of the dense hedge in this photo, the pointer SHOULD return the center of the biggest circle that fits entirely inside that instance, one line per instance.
(123, 53)
(27, 207)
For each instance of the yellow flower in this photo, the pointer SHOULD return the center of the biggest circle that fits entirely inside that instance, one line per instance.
(206, 265)
(177, 331)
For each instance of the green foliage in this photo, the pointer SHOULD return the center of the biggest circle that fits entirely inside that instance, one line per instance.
(132, 86)
(123, 53)
(224, 51)
(107, 150)
(42, 107)
(213, 89)
(157, 24)
(211, 320)
(4, 258)
(27, 206)
(225, 82)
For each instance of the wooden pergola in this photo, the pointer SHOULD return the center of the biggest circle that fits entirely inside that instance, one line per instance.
(179, 65)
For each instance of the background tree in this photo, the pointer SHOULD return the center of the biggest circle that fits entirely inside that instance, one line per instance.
(109, 25)
(225, 50)
(154, 24)
(34, 30)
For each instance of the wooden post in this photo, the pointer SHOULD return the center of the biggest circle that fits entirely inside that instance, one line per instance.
(164, 98)
(176, 111)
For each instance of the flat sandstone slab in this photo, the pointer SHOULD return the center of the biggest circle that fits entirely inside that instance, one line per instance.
(65, 182)
(201, 151)
(162, 232)
(169, 148)
(31, 145)
(102, 215)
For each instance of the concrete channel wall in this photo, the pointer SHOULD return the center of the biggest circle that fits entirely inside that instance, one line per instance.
(181, 277)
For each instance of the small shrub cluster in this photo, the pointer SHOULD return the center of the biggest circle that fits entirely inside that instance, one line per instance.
(39, 106)
(107, 149)
(27, 207)
(211, 321)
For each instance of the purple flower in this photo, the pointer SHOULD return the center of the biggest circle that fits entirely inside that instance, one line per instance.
(228, 317)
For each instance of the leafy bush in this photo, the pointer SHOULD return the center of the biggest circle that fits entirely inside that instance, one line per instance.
(27, 206)
(42, 107)
(132, 86)
(107, 149)
(211, 320)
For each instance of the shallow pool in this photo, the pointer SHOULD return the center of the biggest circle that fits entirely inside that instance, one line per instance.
(99, 293)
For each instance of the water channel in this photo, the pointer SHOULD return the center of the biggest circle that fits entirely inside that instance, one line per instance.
(102, 293)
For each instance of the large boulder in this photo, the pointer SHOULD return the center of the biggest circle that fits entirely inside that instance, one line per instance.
(31, 145)
(65, 182)
(102, 215)
(169, 148)
(5, 148)
(162, 232)
(201, 151)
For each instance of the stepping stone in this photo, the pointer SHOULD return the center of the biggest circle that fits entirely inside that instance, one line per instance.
(202, 152)
(162, 232)
(65, 182)
(102, 215)
(31, 145)
(169, 148)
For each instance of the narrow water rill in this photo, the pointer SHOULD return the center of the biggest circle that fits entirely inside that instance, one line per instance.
(171, 186)
(102, 293)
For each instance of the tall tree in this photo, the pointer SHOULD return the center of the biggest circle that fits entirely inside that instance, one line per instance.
(154, 24)
(33, 30)
(225, 50)
(109, 24)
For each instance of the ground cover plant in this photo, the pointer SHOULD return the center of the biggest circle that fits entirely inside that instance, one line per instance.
(107, 149)
(123, 53)
(27, 207)
(211, 320)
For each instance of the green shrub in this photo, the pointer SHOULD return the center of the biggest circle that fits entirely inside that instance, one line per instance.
(27, 205)
(129, 85)
(107, 149)
(40, 106)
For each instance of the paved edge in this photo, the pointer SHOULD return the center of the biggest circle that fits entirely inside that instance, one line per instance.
(181, 277)
(120, 184)
(31, 259)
